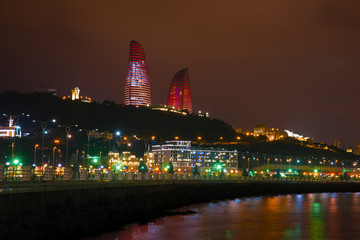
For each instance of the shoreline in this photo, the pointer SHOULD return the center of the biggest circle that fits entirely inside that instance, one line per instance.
(76, 214)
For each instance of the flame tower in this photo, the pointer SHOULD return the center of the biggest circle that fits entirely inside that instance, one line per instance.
(179, 92)
(137, 84)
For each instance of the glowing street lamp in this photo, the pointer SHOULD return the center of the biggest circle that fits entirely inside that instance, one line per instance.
(54, 157)
(88, 132)
(36, 146)
(67, 130)
(43, 126)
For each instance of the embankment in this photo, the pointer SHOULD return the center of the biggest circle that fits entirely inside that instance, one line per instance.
(71, 212)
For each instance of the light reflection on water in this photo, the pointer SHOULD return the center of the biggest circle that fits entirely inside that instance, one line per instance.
(299, 216)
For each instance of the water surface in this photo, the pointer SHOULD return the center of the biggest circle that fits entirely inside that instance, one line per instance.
(302, 216)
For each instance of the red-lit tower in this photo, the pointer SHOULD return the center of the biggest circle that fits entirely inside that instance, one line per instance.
(137, 85)
(179, 91)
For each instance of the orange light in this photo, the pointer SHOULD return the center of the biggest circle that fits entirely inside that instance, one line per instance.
(199, 138)
(176, 138)
(56, 141)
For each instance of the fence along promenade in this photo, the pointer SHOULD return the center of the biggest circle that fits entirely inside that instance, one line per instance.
(27, 175)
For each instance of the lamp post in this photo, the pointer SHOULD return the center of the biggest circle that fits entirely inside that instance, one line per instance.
(88, 132)
(290, 163)
(67, 130)
(43, 126)
(53, 157)
(36, 146)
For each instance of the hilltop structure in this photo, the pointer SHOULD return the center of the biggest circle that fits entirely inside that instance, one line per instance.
(179, 92)
(137, 84)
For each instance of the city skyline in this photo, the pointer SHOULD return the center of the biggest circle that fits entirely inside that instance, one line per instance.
(292, 65)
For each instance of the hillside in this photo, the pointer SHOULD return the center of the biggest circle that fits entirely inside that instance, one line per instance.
(108, 116)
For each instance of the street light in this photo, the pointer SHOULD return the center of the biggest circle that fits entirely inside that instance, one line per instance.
(43, 126)
(88, 132)
(53, 157)
(67, 130)
(36, 146)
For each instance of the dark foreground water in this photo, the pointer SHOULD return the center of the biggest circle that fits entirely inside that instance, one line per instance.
(302, 216)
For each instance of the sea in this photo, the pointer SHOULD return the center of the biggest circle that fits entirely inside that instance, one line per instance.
(295, 216)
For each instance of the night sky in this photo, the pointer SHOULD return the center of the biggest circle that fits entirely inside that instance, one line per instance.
(288, 64)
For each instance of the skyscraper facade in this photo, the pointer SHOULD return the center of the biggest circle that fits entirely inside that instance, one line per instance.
(179, 92)
(137, 85)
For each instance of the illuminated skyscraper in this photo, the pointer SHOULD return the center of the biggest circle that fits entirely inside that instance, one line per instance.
(179, 92)
(137, 85)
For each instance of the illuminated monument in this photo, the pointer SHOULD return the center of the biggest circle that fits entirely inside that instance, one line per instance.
(75, 93)
(137, 85)
(179, 92)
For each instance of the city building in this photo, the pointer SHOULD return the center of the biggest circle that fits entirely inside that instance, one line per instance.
(339, 143)
(137, 84)
(184, 157)
(124, 161)
(165, 108)
(101, 135)
(297, 136)
(259, 129)
(237, 130)
(273, 134)
(11, 130)
(179, 95)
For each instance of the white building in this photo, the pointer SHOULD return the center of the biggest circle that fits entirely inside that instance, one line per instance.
(184, 157)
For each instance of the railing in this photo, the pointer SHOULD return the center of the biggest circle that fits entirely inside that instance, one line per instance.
(67, 175)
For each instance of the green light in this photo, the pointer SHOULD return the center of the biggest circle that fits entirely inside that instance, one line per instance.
(218, 166)
(316, 170)
(95, 160)
(16, 161)
(118, 167)
(290, 170)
